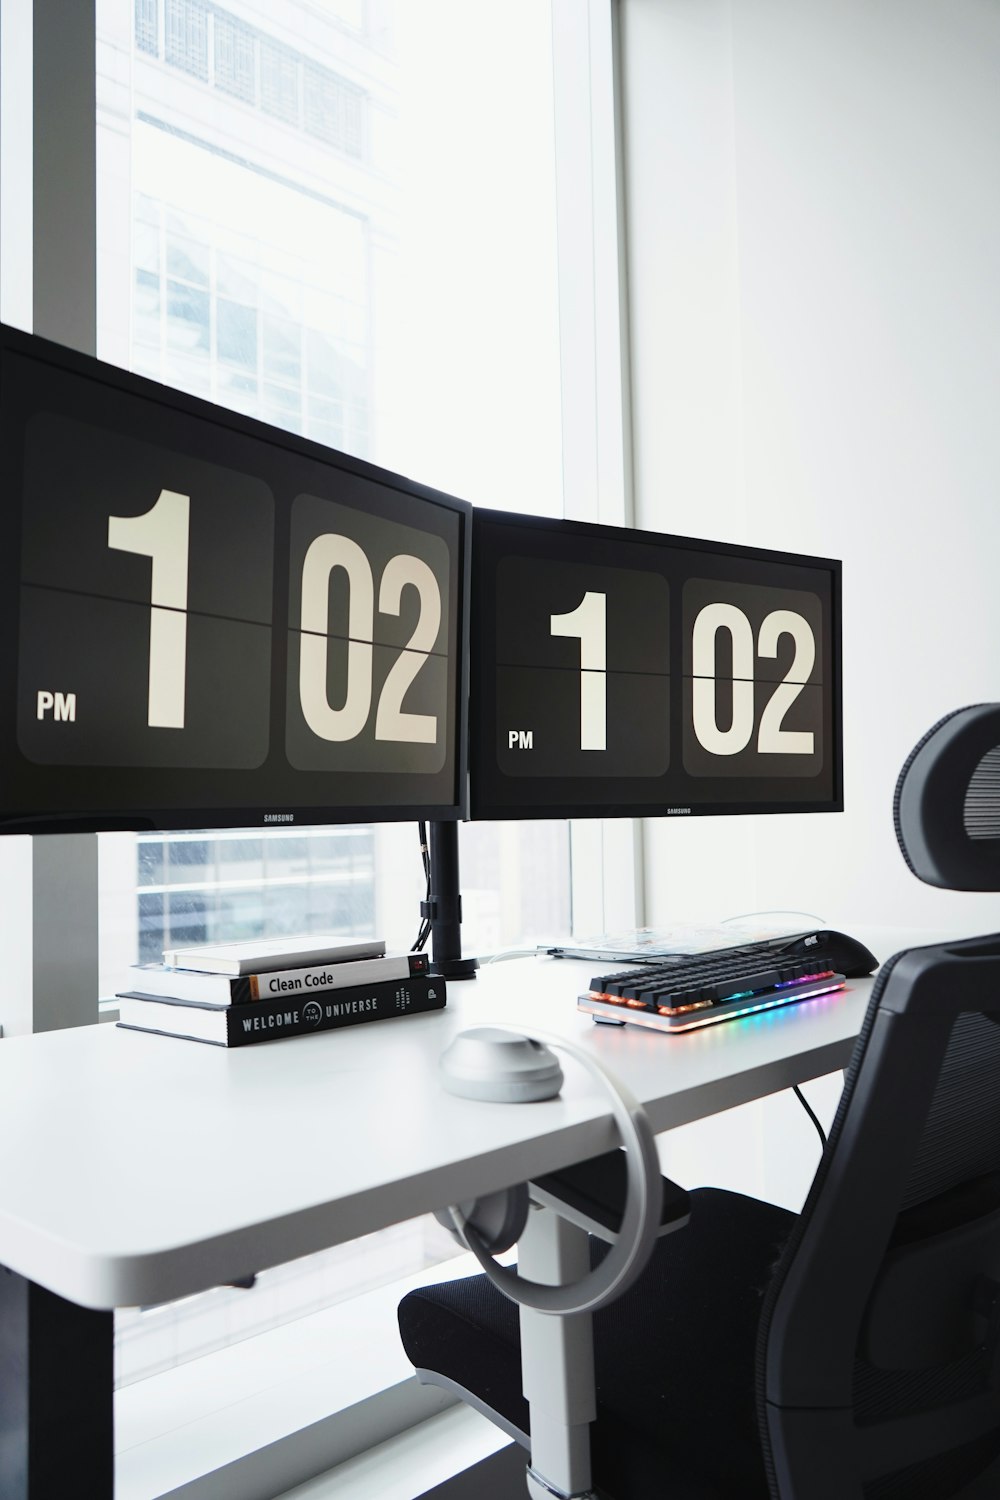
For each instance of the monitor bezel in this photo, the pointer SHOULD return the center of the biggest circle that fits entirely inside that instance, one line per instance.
(239, 814)
(486, 808)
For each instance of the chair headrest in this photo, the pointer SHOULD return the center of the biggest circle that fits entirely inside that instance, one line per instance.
(947, 803)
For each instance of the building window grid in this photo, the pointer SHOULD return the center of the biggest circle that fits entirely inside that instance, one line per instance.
(279, 81)
(195, 888)
(185, 37)
(331, 111)
(212, 45)
(234, 58)
(147, 26)
(187, 348)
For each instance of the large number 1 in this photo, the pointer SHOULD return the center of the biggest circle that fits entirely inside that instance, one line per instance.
(162, 534)
(588, 622)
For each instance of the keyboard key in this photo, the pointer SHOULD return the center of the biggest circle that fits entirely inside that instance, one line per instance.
(764, 979)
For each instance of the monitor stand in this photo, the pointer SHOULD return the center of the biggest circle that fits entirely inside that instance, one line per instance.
(444, 905)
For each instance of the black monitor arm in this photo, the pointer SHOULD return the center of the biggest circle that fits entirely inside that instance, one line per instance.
(443, 907)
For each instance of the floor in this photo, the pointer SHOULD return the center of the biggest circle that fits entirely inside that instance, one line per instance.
(287, 1402)
(498, 1478)
(458, 1455)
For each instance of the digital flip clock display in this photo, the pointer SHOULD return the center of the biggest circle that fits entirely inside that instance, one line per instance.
(209, 619)
(658, 674)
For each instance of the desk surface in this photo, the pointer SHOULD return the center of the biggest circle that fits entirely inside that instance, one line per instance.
(141, 1168)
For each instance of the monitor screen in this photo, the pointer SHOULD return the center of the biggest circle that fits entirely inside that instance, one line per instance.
(210, 622)
(620, 673)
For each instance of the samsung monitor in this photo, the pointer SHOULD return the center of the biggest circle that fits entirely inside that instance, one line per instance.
(621, 673)
(209, 622)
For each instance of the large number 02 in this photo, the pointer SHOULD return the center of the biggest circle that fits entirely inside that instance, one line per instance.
(162, 534)
(771, 738)
(588, 623)
(325, 553)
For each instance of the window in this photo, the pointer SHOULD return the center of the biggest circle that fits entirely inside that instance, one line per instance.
(233, 294)
(217, 46)
(186, 36)
(313, 242)
(147, 26)
(279, 82)
(198, 889)
(369, 306)
(332, 109)
(235, 68)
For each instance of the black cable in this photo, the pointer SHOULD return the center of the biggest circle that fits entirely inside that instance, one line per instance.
(425, 851)
(800, 1096)
(424, 931)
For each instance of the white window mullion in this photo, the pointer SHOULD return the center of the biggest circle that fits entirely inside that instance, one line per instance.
(591, 261)
(607, 874)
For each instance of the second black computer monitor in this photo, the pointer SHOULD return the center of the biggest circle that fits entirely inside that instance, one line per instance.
(625, 673)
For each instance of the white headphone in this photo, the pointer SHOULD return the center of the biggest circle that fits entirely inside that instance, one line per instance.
(503, 1215)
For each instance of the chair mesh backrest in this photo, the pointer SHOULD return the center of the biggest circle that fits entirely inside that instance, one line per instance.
(962, 1136)
(981, 809)
(959, 1142)
(917, 1131)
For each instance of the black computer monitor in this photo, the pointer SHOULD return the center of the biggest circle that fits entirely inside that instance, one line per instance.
(620, 673)
(209, 622)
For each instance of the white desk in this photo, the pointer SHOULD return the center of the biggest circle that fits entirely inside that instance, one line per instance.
(141, 1168)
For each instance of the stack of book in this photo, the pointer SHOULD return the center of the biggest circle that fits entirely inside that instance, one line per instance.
(232, 994)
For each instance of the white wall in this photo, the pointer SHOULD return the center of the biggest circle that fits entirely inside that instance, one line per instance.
(814, 270)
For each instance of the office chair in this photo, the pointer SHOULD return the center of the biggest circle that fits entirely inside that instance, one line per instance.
(850, 1352)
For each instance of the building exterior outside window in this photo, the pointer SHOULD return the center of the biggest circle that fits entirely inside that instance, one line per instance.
(326, 216)
(293, 243)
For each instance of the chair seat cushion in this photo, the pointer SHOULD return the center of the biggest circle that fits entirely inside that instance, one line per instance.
(674, 1355)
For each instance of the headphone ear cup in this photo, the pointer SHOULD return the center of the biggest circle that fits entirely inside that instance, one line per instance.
(498, 1219)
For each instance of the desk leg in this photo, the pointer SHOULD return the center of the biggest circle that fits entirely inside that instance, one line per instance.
(557, 1361)
(56, 1395)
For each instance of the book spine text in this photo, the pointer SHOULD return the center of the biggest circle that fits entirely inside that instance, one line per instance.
(324, 1011)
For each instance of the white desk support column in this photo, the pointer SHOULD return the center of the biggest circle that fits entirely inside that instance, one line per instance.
(557, 1361)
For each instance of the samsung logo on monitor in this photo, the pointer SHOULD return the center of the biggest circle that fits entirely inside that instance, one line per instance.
(279, 817)
(677, 812)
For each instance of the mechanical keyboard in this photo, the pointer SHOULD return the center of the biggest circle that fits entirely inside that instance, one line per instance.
(693, 990)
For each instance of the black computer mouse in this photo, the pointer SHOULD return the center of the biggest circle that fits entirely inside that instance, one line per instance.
(845, 954)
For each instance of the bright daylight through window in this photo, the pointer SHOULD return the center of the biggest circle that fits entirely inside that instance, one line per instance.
(339, 218)
(313, 242)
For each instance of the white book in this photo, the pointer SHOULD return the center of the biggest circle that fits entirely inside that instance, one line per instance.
(257, 954)
(200, 987)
